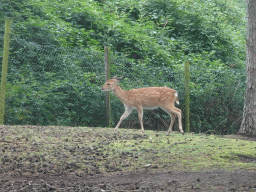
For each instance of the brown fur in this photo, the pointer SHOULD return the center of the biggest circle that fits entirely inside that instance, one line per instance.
(145, 98)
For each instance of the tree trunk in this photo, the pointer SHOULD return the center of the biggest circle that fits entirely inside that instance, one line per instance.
(248, 126)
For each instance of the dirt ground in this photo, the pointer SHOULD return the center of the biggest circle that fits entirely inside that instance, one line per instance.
(36, 174)
(25, 179)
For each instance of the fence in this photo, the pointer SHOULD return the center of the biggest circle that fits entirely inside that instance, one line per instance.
(49, 85)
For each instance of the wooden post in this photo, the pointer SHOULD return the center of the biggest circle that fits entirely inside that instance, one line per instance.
(187, 99)
(107, 75)
(4, 68)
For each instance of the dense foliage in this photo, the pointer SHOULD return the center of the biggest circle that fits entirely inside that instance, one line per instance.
(56, 65)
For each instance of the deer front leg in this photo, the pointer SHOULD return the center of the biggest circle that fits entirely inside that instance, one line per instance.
(127, 112)
(140, 114)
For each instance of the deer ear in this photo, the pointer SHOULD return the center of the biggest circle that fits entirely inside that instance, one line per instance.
(118, 78)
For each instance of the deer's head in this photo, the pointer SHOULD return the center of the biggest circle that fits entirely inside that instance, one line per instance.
(111, 84)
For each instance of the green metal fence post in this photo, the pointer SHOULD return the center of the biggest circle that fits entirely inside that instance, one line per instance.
(187, 125)
(4, 68)
(107, 76)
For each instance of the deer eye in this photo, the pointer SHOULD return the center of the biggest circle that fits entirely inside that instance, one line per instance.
(108, 84)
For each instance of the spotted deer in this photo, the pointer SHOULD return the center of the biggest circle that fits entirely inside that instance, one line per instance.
(145, 98)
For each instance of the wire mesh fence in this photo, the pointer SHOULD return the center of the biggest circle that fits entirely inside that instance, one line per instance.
(49, 85)
(54, 86)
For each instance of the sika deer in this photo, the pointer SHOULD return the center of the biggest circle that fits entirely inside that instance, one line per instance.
(145, 98)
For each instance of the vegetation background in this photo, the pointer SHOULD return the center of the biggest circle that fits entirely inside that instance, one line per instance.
(56, 61)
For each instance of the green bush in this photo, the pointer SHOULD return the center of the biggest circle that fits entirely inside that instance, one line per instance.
(56, 64)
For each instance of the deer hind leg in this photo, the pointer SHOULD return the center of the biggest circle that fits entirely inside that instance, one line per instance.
(140, 115)
(177, 112)
(127, 112)
(172, 121)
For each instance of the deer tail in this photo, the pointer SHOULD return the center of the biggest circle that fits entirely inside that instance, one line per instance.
(177, 98)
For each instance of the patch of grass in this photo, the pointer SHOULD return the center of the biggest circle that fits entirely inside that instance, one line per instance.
(99, 150)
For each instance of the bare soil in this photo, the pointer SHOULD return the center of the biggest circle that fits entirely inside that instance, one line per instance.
(25, 167)
(26, 179)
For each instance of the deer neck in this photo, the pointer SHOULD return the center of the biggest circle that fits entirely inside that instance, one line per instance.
(119, 93)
